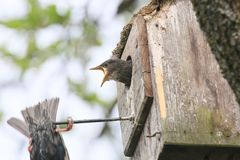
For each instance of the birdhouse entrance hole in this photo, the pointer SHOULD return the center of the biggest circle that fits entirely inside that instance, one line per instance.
(129, 58)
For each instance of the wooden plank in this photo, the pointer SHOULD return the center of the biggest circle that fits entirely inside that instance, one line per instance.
(150, 147)
(137, 99)
(199, 106)
(193, 104)
(145, 61)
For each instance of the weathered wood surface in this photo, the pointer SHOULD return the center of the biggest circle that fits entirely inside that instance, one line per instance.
(137, 99)
(200, 107)
(193, 104)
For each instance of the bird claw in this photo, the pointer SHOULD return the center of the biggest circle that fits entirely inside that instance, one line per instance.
(68, 128)
(30, 146)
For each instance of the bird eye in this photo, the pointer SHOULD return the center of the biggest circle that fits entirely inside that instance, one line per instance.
(105, 65)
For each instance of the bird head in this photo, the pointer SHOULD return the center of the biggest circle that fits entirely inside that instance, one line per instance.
(107, 68)
(116, 69)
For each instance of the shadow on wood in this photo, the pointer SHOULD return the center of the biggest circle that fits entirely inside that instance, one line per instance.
(171, 152)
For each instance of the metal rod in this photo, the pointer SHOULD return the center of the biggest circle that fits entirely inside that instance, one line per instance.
(97, 120)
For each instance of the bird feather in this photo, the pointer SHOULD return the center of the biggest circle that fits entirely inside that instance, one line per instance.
(19, 125)
(39, 125)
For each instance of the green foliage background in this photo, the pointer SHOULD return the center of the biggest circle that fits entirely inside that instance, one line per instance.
(69, 47)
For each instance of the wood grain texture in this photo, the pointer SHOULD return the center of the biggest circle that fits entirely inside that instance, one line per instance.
(201, 108)
(193, 104)
(136, 100)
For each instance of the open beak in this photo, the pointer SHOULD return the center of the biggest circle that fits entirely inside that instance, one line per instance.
(105, 72)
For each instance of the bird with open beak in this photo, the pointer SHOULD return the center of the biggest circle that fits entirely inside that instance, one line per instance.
(117, 70)
(45, 142)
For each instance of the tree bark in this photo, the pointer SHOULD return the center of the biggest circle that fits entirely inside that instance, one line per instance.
(220, 20)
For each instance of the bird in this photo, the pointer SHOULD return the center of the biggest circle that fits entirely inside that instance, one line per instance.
(45, 141)
(117, 70)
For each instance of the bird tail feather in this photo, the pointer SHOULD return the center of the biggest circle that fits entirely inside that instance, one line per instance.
(36, 114)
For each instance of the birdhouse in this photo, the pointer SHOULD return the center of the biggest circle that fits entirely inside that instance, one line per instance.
(183, 108)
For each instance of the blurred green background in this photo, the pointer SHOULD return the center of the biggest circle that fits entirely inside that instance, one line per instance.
(46, 49)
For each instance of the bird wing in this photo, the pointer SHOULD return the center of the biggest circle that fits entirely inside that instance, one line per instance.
(19, 125)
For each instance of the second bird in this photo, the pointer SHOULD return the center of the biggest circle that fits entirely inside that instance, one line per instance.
(117, 70)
